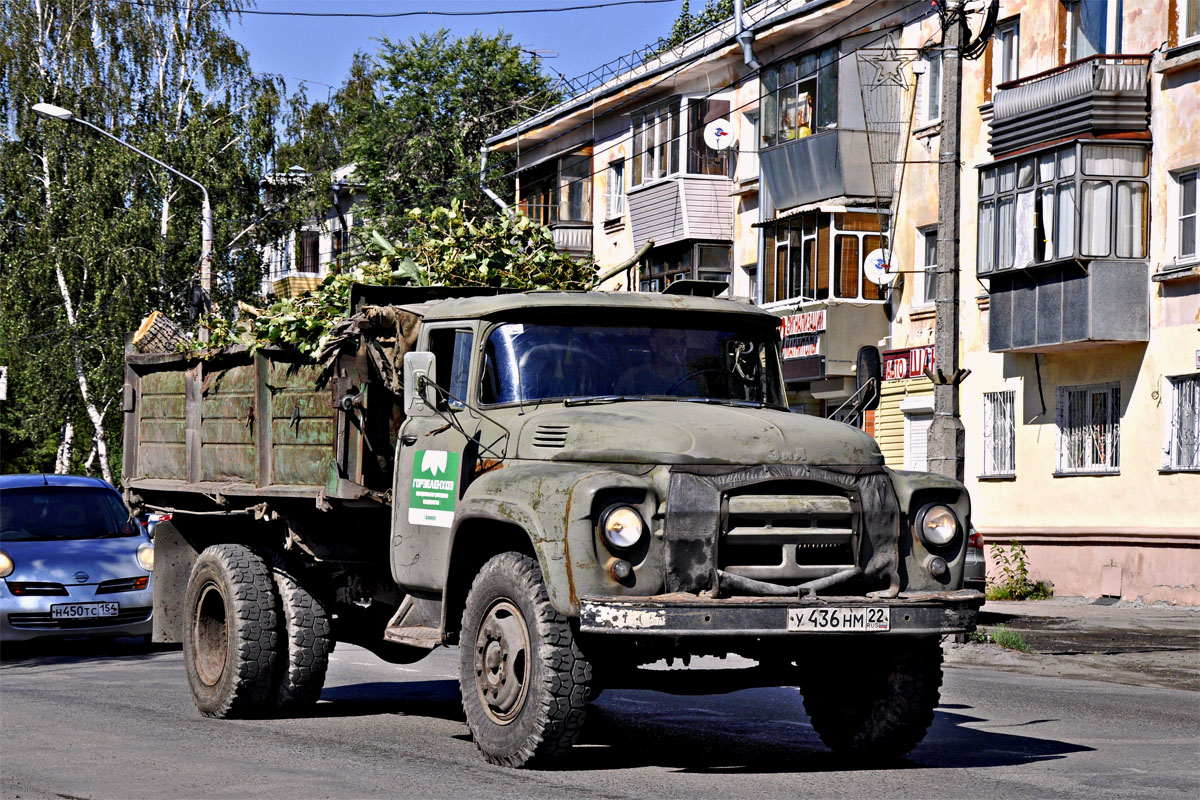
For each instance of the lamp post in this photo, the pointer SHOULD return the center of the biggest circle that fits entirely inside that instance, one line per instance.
(206, 220)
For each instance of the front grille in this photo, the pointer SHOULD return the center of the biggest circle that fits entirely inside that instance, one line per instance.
(788, 538)
(550, 435)
(36, 588)
(123, 585)
(43, 620)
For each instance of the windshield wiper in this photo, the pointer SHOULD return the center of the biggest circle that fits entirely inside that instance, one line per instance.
(607, 398)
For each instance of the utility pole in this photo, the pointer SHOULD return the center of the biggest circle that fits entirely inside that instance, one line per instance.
(946, 436)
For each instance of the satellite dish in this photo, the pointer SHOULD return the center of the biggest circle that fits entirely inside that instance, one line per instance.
(718, 134)
(878, 269)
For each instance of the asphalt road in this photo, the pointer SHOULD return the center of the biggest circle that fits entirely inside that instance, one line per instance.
(110, 722)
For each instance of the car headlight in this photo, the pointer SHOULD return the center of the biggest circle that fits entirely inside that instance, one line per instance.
(622, 527)
(937, 525)
(6, 565)
(145, 556)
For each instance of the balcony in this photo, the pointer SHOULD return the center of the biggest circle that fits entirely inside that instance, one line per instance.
(680, 208)
(1066, 306)
(828, 164)
(1098, 94)
(574, 238)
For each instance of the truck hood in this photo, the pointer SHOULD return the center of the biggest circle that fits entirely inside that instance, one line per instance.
(676, 432)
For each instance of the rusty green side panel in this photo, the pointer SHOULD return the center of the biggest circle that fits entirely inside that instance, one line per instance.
(162, 449)
(302, 424)
(227, 425)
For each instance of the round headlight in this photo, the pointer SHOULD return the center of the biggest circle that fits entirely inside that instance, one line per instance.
(6, 565)
(145, 556)
(622, 527)
(937, 525)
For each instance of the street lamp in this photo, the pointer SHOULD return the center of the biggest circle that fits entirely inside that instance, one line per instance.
(206, 235)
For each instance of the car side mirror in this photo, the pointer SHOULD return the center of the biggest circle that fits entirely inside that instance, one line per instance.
(419, 370)
(869, 370)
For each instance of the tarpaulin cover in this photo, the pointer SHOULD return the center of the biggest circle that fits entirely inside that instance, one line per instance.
(694, 517)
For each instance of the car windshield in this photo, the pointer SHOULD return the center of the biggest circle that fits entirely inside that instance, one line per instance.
(529, 363)
(47, 513)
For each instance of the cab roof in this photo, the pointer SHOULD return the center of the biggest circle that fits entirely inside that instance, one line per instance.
(550, 303)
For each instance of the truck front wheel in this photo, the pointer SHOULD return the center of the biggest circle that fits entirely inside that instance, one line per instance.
(524, 681)
(230, 636)
(873, 699)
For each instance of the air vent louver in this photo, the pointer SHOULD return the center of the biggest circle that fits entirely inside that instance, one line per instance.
(550, 435)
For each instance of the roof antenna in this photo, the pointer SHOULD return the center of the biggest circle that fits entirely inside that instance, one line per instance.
(45, 480)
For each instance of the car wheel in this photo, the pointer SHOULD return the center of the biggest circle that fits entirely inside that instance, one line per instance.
(524, 681)
(873, 700)
(230, 637)
(306, 643)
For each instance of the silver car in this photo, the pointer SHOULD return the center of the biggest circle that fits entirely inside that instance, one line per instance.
(72, 560)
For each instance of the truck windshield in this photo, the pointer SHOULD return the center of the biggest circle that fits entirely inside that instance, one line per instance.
(528, 363)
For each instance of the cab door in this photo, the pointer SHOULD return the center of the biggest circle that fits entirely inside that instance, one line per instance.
(434, 462)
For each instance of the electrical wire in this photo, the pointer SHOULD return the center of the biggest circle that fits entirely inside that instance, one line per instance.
(168, 6)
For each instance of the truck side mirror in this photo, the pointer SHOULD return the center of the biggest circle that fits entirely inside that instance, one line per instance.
(869, 369)
(418, 367)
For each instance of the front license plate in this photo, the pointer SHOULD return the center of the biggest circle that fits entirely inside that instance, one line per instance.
(84, 610)
(839, 619)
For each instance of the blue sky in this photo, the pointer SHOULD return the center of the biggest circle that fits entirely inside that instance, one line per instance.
(319, 50)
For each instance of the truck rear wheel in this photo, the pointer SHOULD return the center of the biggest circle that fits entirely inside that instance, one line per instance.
(874, 700)
(306, 643)
(230, 639)
(524, 681)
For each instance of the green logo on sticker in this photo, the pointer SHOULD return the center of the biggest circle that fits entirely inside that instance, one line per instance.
(434, 487)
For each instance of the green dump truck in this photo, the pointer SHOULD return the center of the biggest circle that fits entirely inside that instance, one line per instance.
(569, 487)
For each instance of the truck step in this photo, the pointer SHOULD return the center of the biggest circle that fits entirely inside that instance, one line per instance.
(428, 638)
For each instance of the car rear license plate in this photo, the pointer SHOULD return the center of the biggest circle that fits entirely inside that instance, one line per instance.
(839, 619)
(84, 610)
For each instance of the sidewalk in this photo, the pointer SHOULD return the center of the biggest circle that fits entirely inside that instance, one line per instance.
(1074, 637)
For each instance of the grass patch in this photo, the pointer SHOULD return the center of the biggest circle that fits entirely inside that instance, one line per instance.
(1000, 636)
(1034, 590)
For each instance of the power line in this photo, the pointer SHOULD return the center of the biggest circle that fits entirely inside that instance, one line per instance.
(398, 14)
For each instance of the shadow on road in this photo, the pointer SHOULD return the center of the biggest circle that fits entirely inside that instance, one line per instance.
(45, 652)
(438, 699)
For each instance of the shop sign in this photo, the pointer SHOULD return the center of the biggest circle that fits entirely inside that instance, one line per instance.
(909, 363)
(800, 334)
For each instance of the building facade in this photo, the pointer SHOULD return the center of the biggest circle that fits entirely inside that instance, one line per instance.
(795, 157)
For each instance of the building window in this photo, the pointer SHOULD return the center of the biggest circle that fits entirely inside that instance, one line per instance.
(559, 191)
(655, 143)
(999, 434)
(747, 167)
(1085, 200)
(1189, 19)
(665, 265)
(1181, 436)
(341, 246)
(799, 97)
(310, 252)
(1089, 429)
(702, 159)
(918, 418)
(614, 200)
(1006, 46)
(933, 85)
(819, 256)
(1187, 210)
(1093, 26)
(927, 252)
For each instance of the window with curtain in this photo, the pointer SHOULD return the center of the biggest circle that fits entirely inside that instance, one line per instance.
(1187, 214)
(1006, 47)
(1088, 28)
(655, 143)
(819, 256)
(1181, 439)
(799, 97)
(1089, 428)
(927, 250)
(933, 85)
(999, 434)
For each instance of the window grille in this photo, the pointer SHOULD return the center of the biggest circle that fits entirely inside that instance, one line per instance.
(1182, 434)
(1089, 429)
(999, 434)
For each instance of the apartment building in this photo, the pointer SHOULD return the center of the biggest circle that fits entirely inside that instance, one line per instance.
(795, 155)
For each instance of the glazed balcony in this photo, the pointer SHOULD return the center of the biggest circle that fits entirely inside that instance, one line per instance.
(832, 163)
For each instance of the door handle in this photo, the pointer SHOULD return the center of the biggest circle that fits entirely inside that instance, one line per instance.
(408, 439)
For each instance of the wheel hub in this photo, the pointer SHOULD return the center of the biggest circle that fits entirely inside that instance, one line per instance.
(502, 661)
(210, 635)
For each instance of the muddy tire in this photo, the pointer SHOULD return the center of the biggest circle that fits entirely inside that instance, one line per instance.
(874, 701)
(524, 681)
(230, 633)
(306, 643)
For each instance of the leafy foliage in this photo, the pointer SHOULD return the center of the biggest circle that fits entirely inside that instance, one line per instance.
(688, 24)
(1015, 583)
(1000, 636)
(442, 247)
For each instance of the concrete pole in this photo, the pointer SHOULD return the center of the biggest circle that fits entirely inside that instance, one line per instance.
(946, 436)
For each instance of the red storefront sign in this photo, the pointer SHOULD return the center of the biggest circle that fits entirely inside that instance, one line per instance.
(908, 363)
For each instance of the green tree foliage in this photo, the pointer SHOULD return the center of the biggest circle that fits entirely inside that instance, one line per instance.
(443, 247)
(92, 236)
(687, 24)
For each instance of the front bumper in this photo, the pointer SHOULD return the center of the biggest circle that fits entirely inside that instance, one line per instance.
(680, 614)
(28, 617)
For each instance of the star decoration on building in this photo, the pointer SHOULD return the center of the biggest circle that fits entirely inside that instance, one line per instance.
(889, 65)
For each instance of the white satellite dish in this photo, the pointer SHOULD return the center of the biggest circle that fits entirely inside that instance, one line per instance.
(718, 134)
(878, 269)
